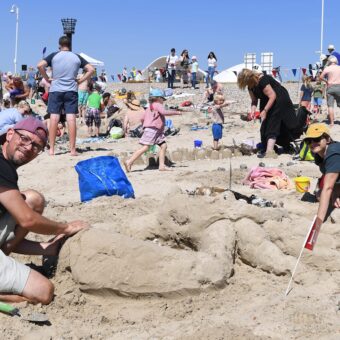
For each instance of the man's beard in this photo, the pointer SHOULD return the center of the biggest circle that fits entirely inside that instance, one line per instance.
(19, 161)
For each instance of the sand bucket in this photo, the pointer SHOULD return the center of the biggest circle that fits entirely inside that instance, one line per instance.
(197, 143)
(302, 184)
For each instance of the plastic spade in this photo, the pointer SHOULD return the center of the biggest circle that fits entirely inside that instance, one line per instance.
(31, 317)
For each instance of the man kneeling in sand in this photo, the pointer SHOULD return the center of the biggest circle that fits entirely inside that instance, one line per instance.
(20, 212)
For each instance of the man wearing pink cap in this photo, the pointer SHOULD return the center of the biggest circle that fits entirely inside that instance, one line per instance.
(21, 212)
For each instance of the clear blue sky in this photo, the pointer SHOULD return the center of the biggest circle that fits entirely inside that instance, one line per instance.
(134, 32)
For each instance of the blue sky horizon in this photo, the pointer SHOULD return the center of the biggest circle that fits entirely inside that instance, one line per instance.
(133, 33)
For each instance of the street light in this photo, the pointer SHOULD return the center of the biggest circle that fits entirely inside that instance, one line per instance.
(15, 9)
(321, 35)
(69, 26)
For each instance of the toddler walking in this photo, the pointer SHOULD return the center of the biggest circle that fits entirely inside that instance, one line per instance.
(194, 70)
(153, 124)
(218, 119)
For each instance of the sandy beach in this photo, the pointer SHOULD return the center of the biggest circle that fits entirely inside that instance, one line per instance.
(177, 263)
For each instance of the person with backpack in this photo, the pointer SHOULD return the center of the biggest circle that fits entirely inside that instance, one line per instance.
(171, 62)
(327, 157)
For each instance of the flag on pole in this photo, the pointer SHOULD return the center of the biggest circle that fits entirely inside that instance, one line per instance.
(274, 73)
(313, 234)
(44, 50)
(303, 70)
(309, 241)
(294, 71)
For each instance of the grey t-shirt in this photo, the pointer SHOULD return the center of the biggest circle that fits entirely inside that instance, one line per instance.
(65, 66)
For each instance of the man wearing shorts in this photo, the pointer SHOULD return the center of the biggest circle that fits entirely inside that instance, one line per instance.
(331, 75)
(63, 93)
(20, 213)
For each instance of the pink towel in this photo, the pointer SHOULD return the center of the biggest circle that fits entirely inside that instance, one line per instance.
(267, 178)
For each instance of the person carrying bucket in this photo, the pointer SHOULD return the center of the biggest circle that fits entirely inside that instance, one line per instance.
(327, 157)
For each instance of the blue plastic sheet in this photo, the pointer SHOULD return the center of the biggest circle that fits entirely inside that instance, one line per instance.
(102, 176)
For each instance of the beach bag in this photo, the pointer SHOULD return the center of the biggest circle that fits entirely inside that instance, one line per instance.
(102, 176)
(111, 110)
(114, 122)
(137, 132)
(186, 103)
(305, 154)
(116, 132)
(168, 92)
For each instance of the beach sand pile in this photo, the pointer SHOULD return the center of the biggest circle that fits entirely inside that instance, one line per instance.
(185, 258)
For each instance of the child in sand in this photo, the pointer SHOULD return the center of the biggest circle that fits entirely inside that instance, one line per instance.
(93, 111)
(318, 94)
(153, 124)
(218, 119)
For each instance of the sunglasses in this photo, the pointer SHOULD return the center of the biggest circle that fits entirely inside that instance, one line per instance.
(314, 140)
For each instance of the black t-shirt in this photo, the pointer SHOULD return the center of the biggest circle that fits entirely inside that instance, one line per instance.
(331, 162)
(263, 82)
(8, 176)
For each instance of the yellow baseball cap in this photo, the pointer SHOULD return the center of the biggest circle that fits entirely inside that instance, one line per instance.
(316, 130)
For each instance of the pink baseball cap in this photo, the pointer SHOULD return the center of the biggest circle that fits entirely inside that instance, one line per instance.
(33, 125)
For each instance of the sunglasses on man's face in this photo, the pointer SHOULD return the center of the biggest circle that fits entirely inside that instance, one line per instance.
(314, 140)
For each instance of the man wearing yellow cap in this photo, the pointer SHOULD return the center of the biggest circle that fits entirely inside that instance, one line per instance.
(327, 157)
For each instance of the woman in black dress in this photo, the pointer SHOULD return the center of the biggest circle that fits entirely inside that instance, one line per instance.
(279, 121)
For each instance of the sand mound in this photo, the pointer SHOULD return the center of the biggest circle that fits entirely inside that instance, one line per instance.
(188, 246)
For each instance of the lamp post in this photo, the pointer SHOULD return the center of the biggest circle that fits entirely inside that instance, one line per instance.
(15, 9)
(69, 26)
(321, 35)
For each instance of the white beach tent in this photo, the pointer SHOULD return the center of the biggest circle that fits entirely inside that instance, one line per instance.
(92, 61)
(160, 63)
(228, 75)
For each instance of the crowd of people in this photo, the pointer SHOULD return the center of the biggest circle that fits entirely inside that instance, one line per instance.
(23, 137)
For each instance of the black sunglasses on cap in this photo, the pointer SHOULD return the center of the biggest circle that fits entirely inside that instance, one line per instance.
(315, 140)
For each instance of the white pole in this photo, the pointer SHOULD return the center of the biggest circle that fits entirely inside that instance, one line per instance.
(298, 260)
(16, 40)
(321, 37)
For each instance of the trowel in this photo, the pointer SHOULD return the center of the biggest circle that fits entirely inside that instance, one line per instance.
(31, 317)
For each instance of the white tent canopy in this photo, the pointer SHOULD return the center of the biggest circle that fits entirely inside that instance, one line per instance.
(160, 63)
(228, 75)
(92, 61)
